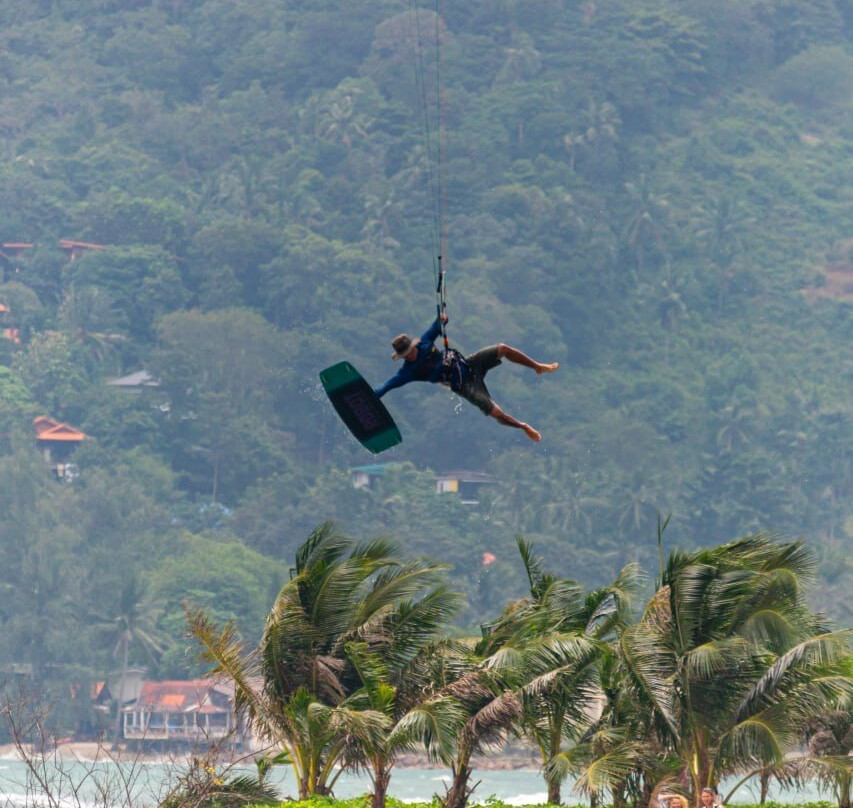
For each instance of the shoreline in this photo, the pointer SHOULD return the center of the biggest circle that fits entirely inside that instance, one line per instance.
(513, 759)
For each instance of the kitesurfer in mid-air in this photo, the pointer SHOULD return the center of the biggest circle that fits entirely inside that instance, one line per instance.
(423, 362)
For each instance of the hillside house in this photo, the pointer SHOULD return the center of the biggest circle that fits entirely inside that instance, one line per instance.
(9, 253)
(465, 484)
(363, 476)
(74, 249)
(56, 442)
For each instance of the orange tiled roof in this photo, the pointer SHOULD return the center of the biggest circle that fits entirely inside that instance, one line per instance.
(179, 696)
(48, 429)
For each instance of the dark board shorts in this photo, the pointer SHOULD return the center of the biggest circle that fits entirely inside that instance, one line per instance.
(474, 387)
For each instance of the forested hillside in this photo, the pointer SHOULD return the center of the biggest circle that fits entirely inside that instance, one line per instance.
(655, 193)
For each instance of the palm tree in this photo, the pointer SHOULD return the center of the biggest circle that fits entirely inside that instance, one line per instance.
(602, 121)
(569, 503)
(340, 120)
(490, 711)
(830, 739)
(549, 646)
(826, 759)
(89, 317)
(728, 659)
(246, 185)
(134, 624)
(522, 61)
(671, 306)
(301, 686)
(735, 429)
(621, 753)
(637, 510)
(723, 223)
(645, 226)
(571, 141)
(414, 716)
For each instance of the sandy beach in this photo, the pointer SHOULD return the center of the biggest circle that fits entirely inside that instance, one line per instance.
(508, 759)
(80, 751)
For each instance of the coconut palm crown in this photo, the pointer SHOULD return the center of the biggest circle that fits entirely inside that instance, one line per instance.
(730, 661)
(348, 609)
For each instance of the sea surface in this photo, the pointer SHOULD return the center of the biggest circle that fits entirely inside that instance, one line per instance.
(114, 785)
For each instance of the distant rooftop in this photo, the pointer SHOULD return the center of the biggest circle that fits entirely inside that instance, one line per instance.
(466, 476)
(142, 378)
(49, 430)
(372, 469)
(71, 244)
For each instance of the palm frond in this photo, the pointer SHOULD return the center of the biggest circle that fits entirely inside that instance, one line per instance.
(471, 688)
(324, 545)
(808, 655)
(704, 661)
(507, 661)
(762, 738)
(224, 650)
(371, 668)
(601, 773)
(608, 608)
(651, 666)
(398, 582)
(412, 625)
(771, 628)
(537, 578)
(368, 727)
(434, 724)
(490, 723)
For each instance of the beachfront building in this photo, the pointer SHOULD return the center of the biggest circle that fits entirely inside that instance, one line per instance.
(174, 713)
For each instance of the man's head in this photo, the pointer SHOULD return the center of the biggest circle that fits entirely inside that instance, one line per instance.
(404, 347)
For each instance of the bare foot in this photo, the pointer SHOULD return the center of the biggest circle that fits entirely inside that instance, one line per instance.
(546, 367)
(531, 432)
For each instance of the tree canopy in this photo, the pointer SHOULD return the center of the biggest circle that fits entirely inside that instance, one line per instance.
(228, 198)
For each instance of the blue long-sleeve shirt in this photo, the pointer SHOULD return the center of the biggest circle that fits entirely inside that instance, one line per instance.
(427, 366)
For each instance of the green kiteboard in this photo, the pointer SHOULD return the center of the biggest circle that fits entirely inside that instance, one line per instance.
(360, 408)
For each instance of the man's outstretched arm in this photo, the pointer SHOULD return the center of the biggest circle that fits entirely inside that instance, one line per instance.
(400, 378)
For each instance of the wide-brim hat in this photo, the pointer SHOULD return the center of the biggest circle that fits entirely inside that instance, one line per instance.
(401, 344)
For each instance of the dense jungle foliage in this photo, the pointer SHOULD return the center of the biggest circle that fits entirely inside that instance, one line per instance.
(654, 193)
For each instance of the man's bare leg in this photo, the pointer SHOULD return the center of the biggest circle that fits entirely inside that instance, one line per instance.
(514, 355)
(507, 420)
